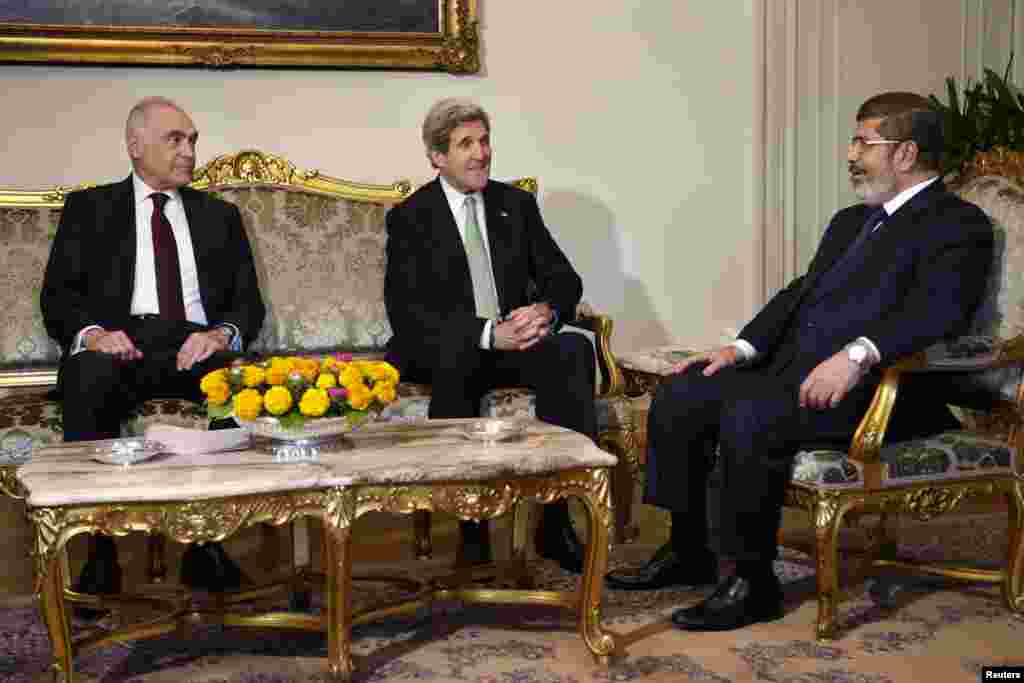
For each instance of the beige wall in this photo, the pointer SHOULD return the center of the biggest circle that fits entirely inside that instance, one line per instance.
(637, 117)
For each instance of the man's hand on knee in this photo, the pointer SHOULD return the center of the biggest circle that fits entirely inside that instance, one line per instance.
(829, 382)
(201, 345)
(716, 360)
(115, 343)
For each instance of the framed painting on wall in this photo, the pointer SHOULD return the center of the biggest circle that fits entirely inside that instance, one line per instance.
(439, 35)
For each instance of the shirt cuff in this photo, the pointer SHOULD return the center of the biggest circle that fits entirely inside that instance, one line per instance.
(235, 341)
(485, 336)
(78, 345)
(746, 349)
(876, 356)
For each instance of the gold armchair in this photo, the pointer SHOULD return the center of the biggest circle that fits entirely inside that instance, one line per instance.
(935, 476)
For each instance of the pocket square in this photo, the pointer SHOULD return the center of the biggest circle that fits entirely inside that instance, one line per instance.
(503, 214)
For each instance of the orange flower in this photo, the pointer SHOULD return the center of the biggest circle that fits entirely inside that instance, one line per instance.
(248, 404)
(217, 393)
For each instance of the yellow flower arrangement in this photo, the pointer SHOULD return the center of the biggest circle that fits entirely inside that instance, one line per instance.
(294, 389)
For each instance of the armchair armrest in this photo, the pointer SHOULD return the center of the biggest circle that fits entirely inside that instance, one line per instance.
(866, 446)
(612, 383)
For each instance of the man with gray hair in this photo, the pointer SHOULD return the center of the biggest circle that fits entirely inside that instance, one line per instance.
(149, 284)
(476, 291)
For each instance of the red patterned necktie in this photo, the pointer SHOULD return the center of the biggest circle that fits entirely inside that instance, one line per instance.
(165, 258)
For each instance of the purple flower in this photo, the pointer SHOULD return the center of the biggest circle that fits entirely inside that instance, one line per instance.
(337, 393)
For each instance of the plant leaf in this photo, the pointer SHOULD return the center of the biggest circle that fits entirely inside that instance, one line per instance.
(219, 412)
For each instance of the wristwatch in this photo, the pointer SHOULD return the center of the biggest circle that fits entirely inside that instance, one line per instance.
(859, 355)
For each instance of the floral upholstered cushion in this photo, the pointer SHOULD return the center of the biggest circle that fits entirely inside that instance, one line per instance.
(320, 263)
(1002, 314)
(656, 361)
(25, 236)
(950, 455)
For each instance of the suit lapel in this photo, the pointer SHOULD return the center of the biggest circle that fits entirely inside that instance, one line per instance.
(844, 238)
(192, 202)
(123, 220)
(447, 234)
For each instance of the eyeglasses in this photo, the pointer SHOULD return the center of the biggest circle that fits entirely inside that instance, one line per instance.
(858, 143)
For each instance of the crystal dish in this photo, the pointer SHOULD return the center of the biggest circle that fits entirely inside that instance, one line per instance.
(124, 451)
(493, 430)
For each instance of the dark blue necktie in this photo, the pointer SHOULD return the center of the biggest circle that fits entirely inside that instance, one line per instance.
(843, 265)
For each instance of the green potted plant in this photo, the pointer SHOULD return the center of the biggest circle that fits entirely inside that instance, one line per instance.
(984, 125)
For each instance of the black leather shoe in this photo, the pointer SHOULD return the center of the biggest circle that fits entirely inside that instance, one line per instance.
(737, 602)
(208, 567)
(558, 541)
(474, 544)
(101, 575)
(667, 568)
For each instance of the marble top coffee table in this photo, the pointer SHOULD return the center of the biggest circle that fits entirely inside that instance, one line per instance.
(395, 468)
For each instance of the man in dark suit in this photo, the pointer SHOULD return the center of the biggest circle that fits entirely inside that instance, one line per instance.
(476, 290)
(893, 275)
(149, 285)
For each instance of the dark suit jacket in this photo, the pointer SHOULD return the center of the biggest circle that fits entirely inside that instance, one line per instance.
(90, 276)
(428, 289)
(920, 279)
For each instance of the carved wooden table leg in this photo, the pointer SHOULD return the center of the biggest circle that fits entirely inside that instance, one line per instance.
(339, 602)
(600, 642)
(56, 615)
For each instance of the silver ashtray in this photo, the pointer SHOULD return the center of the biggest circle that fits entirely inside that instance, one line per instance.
(493, 430)
(125, 451)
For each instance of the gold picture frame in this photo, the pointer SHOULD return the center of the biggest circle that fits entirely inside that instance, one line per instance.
(453, 47)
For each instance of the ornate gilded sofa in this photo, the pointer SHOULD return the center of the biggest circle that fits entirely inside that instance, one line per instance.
(319, 249)
(981, 375)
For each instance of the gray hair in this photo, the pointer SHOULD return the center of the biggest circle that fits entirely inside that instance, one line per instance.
(138, 114)
(445, 116)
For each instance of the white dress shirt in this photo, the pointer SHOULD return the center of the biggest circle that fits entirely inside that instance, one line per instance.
(747, 350)
(457, 203)
(144, 292)
(144, 295)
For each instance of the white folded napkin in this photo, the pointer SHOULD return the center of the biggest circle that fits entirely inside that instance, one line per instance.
(184, 441)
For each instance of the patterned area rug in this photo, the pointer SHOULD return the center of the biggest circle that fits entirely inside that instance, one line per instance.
(932, 630)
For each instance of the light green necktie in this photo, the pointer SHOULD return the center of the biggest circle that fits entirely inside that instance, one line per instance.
(484, 292)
